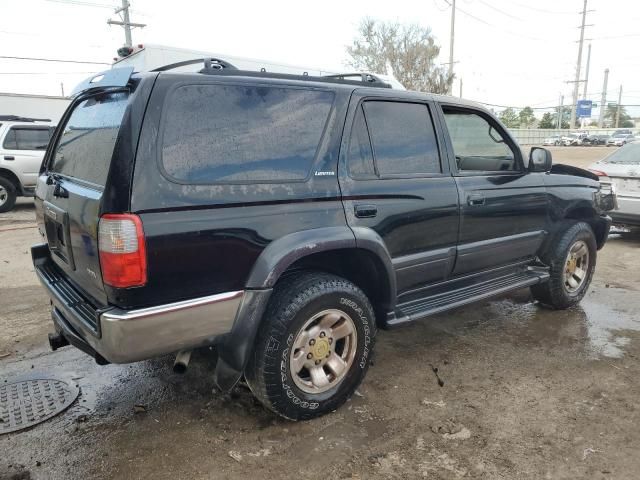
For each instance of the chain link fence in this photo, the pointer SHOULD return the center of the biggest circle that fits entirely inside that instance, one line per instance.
(536, 136)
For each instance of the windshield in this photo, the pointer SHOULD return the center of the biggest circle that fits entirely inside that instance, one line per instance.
(86, 146)
(629, 154)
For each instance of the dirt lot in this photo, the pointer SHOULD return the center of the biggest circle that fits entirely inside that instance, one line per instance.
(527, 393)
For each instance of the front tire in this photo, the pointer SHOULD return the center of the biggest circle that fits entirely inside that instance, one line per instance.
(313, 346)
(572, 260)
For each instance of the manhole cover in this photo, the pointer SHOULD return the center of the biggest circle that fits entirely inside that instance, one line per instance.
(28, 402)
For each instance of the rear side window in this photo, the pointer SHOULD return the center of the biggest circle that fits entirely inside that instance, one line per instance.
(233, 133)
(27, 138)
(360, 154)
(89, 137)
(403, 138)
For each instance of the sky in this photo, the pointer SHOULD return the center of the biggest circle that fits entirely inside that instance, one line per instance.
(508, 53)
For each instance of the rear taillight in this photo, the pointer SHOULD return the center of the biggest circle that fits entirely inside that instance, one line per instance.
(123, 254)
(599, 173)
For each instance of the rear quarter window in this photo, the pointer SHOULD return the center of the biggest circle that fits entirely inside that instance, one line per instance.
(242, 133)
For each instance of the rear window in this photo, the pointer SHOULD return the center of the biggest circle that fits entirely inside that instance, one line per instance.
(86, 146)
(233, 133)
(27, 138)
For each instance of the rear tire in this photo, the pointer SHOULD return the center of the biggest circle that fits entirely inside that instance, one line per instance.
(8, 195)
(572, 260)
(313, 347)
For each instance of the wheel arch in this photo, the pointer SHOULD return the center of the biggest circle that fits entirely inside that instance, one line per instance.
(588, 214)
(358, 256)
(12, 177)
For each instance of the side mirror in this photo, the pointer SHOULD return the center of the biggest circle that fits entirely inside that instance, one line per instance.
(539, 160)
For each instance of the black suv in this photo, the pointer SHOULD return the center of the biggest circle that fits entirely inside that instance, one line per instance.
(286, 218)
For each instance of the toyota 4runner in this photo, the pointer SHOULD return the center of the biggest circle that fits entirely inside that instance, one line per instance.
(23, 142)
(284, 219)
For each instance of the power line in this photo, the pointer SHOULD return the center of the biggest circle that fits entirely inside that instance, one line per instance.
(500, 11)
(542, 10)
(478, 19)
(52, 60)
(83, 4)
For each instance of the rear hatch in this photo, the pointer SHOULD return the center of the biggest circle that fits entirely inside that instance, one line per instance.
(71, 185)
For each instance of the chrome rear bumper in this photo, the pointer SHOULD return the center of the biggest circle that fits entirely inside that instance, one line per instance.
(124, 336)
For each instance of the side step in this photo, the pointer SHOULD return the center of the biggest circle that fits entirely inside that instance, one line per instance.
(440, 302)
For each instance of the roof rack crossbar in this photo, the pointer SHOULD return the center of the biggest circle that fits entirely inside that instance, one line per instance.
(209, 64)
(363, 76)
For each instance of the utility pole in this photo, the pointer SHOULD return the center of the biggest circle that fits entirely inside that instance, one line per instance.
(453, 23)
(125, 22)
(62, 88)
(603, 99)
(619, 107)
(586, 75)
(460, 87)
(560, 112)
(577, 80)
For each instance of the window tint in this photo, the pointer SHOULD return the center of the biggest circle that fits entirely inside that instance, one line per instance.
(476, 144)
(89, 137)
(403, 138)
(221, 133)
(27, 138)
(360, 154)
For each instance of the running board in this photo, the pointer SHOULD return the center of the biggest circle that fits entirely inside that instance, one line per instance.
(424, 307)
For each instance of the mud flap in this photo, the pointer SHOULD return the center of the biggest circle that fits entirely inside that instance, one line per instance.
(235, 350)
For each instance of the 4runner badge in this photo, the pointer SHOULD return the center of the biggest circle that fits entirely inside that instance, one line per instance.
(323, 174)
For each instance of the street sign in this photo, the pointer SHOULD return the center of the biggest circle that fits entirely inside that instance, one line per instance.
(584, 108)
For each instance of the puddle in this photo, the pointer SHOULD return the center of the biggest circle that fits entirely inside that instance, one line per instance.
(607, 322)
(598, 324)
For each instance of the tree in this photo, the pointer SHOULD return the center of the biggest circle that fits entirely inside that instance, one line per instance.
(527, 118)
(509, 118)
(547, 121)
(625, 119)
(566, 116)
(410, 51)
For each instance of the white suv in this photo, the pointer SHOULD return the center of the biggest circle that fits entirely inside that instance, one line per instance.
(23, 142)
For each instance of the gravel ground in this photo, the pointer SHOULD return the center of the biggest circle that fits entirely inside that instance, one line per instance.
(526, 393)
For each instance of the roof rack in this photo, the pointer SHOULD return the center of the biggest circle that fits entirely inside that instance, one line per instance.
(209, 64)
(17, 118)
(216, 66)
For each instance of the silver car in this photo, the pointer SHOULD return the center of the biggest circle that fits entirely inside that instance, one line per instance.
(620, 171)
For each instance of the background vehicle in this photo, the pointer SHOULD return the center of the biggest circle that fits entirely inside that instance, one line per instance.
(620, 139)
(574, 139)
(554, 140)
(621, 169)
(285, 218)
(597, 139)
(22, 145)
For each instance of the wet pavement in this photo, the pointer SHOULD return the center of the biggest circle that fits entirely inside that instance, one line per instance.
(526, 393)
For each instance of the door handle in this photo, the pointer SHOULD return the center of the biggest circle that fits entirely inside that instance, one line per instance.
(474, 200)
(366, 211)
(60, 192)
(9, 157)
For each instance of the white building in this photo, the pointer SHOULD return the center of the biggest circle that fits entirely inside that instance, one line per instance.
(33, 106)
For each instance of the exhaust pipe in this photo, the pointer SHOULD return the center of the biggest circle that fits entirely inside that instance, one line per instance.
(182, 361)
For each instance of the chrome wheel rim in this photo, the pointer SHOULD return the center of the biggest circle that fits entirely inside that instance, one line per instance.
(576, 267)
(323, 351)
(4, 195)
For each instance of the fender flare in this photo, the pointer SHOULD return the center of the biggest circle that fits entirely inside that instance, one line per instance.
(235, 349)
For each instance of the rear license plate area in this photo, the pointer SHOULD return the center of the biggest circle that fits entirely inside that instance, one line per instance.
(56, 224)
